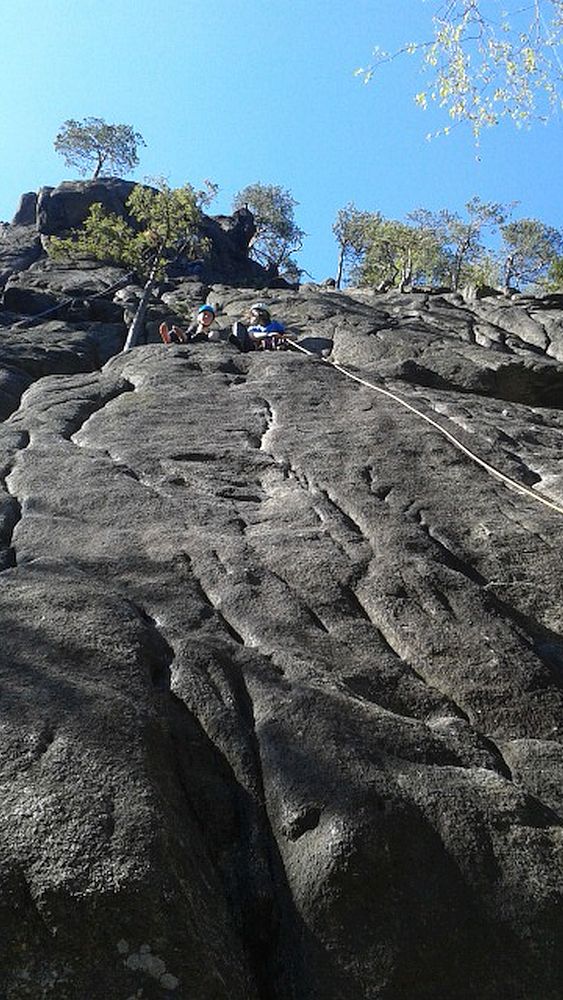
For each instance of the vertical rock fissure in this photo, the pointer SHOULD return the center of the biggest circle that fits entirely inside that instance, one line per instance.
(11, 511)
(275, 931)
(257, 893)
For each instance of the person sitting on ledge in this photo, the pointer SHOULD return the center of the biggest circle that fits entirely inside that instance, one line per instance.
(200, 329)
(258, 331)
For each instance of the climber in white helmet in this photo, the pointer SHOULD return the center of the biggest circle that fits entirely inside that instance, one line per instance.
(258, 331)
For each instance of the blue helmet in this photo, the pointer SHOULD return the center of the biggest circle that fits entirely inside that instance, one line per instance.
(206, 309)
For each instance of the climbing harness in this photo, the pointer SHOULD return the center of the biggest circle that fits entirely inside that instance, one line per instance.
(511, 483)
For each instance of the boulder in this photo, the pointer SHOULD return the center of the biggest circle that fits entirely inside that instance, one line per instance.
(66, 206)
(58, 210)
(26, 210)
(228, 260)
(30, 351)
(20, 247)
(239, 227)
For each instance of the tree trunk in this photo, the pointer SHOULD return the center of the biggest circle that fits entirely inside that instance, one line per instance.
(138, 320)
(386, 284)
(508, 265)
(406, 277)
(340, 267)
(99, 166)
(459, 259)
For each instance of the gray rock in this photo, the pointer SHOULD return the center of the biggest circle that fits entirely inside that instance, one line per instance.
(84, 290)
(229, 260)
(31, 351)
(66, 206)
(281, 683)
(20, 246)
(26, 210)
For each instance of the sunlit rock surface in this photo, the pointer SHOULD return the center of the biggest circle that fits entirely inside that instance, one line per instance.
(281, 668)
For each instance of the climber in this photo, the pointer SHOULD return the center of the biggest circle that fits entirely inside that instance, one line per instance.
(200, 329)
(258, 331)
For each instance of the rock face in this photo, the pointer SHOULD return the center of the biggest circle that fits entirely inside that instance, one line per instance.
(281, 670)
(27, 210)
(66, 206)
(56, 211)
(20, 246)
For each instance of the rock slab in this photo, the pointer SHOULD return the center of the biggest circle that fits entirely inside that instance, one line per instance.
(281, 670)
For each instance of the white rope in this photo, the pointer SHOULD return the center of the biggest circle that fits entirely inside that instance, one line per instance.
(511, 483)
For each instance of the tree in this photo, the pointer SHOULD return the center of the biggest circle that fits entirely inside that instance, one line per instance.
(487, 65)
(462, 239)
(164, 217)
(94, 144)
(554, 282)
(401, 255)
(483, 271)
(465, 238)
(277, 235)
(351, 229)
(529, 248)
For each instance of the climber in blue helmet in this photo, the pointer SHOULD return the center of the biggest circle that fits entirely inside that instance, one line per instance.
(201, 328)
(258, 331)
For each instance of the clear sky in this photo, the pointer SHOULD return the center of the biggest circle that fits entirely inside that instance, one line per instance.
(241, 91)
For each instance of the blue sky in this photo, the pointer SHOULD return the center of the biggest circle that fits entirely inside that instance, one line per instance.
(241, 91)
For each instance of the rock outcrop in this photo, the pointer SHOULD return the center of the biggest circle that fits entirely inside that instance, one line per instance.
(55, 211)
(281, 671)
(65, 207)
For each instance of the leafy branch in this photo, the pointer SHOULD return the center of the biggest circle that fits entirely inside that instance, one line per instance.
(485, 69)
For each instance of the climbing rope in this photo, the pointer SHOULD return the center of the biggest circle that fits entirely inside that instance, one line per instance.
(83, 298)
(511, 483)
(496, 473)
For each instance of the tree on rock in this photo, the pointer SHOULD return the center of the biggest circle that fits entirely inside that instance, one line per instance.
(277, 235)
(165, 219)
(401, 255)
(554, 282)
(530, 248)
(93, 144)
(351, 229)
(462, 239)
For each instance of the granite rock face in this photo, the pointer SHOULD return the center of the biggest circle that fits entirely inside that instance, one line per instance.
(281, 670)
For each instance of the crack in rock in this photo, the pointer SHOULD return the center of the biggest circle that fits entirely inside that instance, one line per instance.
(11, 509)
(248, 865)
(92, 407)
(270, 427)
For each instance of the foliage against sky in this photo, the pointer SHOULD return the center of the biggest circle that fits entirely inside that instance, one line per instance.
(445, 248)
(278, 236)
(192, 84)
(165, 216)
(94, 144)
(488, 60)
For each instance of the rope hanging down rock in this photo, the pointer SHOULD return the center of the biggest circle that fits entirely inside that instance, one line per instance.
(73, 298)
(506, 480)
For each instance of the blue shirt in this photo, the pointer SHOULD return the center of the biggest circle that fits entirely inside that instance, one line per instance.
(259, 330)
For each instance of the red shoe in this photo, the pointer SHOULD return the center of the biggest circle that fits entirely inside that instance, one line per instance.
(165, 333)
